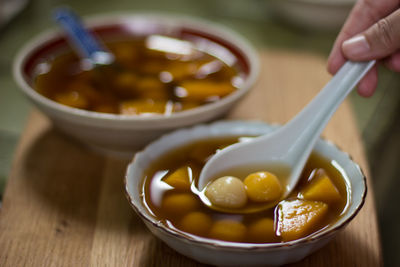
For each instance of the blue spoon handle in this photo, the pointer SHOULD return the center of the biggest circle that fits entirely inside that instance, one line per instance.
(84, 41)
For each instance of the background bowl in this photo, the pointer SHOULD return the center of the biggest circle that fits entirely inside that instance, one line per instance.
(223, 253)
(124, 133)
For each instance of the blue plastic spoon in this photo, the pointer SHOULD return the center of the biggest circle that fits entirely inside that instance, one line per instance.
(87, 46)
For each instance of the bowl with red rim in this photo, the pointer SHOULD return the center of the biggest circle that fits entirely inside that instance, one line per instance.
(126, 133)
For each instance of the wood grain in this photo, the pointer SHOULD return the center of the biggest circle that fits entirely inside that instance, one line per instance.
(64, 205)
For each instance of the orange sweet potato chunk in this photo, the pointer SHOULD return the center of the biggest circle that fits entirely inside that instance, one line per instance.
(262, 231)
(299, 218)
(200, 90)
(179, 203)
(179, 179)
(73, 99)
(198, 223)
(228, 230)
(322, 189)
(140, 106)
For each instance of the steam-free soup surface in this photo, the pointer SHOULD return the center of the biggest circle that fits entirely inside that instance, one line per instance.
(151, 75)
(169, 192)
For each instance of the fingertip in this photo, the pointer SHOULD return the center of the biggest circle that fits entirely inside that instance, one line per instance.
(357, 48)
(393, 62)
(366, 87)
(365, 90)
(335, 61)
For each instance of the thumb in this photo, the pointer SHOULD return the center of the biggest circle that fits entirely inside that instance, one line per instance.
(378, 41)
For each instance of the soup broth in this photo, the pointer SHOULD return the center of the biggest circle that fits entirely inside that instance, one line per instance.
(151, 75)
(171, 195)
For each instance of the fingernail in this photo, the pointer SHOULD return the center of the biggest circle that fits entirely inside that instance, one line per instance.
(356, 46)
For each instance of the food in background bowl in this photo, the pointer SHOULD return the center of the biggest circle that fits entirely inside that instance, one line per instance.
(102, 126)
(152, 74)
(207, 236)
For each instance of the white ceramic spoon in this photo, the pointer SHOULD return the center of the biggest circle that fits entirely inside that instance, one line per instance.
(292, 143)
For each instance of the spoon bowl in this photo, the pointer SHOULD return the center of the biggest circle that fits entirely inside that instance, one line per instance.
(291, 144)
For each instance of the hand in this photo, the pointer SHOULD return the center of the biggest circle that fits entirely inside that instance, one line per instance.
(373, 27)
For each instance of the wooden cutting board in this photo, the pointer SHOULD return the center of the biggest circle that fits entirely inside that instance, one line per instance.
(65, 205)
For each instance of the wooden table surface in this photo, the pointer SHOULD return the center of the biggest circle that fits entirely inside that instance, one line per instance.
(65, 205)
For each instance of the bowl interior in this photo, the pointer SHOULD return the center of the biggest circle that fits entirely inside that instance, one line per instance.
(217, 40)
(354, 178)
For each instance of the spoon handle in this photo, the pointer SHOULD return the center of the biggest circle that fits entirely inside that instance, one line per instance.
(83, 40)
(307, 126)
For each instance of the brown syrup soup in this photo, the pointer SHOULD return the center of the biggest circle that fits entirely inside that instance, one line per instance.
(180, 208)
(151, 75)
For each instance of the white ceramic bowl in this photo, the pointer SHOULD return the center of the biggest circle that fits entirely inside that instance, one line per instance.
(126, 133)
(223, 253)
(314, 14)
